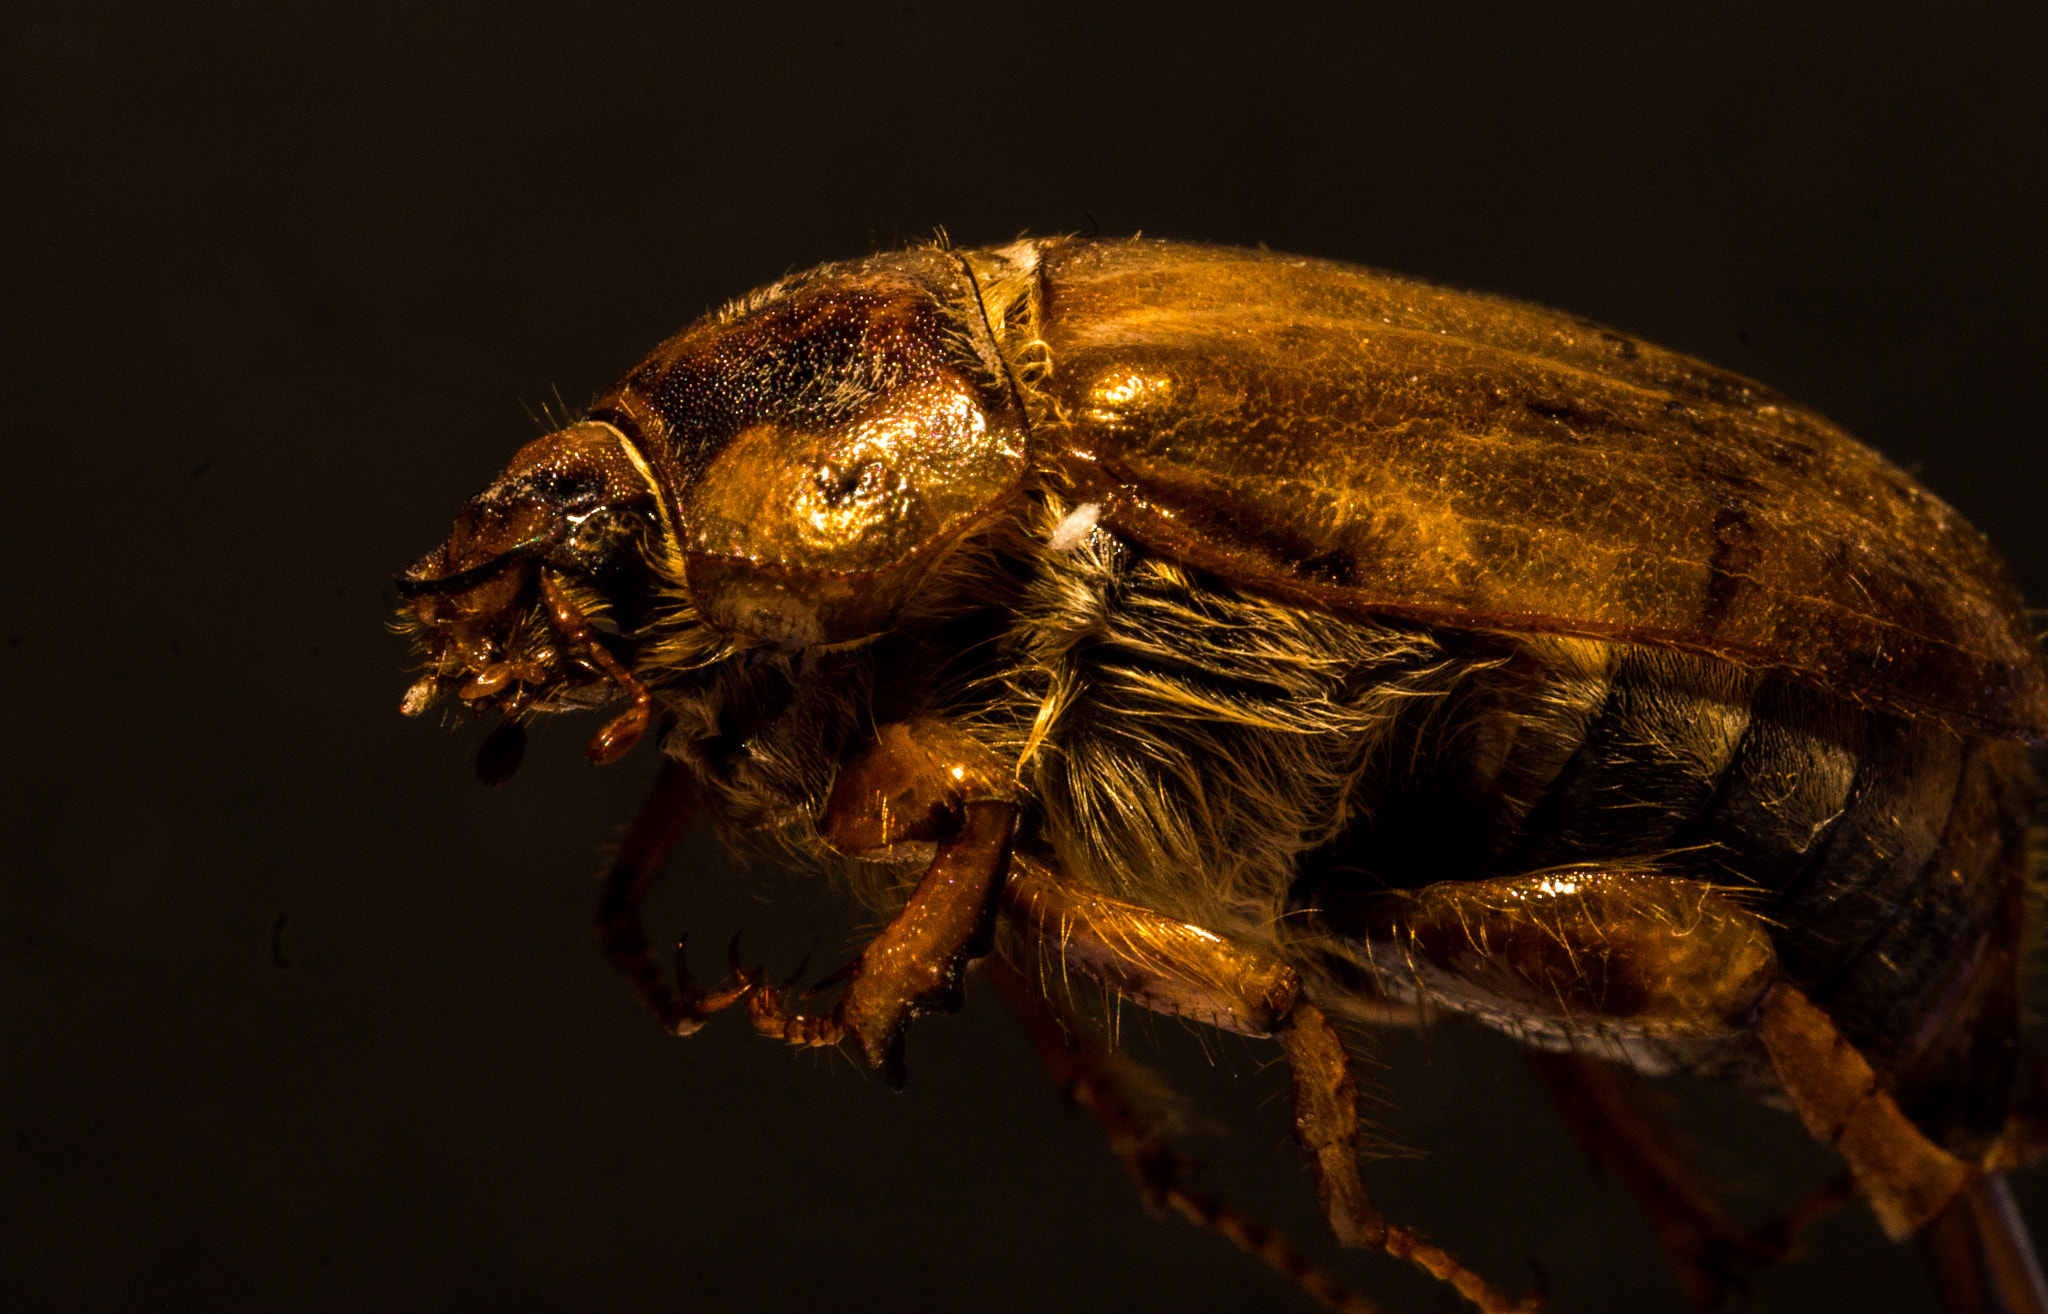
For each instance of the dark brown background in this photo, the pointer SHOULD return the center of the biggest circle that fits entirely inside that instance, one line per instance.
(294, 1015)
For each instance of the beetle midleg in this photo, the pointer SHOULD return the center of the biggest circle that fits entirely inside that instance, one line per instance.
(1624, 1138)
(1184, 971)
(1325, 1105)
(1156, 962)
(1086, 1073)
(916, 784)
(660, 824)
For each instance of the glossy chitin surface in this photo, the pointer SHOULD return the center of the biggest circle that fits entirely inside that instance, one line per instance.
(1377, 444)
(826, 440)
(1250, 634)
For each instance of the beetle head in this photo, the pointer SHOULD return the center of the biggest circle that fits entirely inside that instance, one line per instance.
(541, 570)
(782, 475)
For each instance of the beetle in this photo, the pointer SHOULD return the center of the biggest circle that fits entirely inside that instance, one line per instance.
(1268, 640)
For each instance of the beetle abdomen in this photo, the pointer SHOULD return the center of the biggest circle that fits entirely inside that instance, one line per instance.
(1887, 854)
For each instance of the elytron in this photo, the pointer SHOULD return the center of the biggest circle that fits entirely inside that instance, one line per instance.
(1268, 641)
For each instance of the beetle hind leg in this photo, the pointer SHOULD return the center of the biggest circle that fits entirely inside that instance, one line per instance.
(1711, 1255)
(1594, 953)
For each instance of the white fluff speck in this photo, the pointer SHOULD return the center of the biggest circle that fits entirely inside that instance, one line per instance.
(1067, 535)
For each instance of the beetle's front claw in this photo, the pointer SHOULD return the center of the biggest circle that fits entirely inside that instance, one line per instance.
(692, 1007)
(746, 980)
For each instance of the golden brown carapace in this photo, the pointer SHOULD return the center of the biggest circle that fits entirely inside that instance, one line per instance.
(1267, 640)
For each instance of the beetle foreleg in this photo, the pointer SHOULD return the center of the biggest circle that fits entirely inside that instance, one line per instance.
(660, 824)
(916, 783)
(914, 965)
